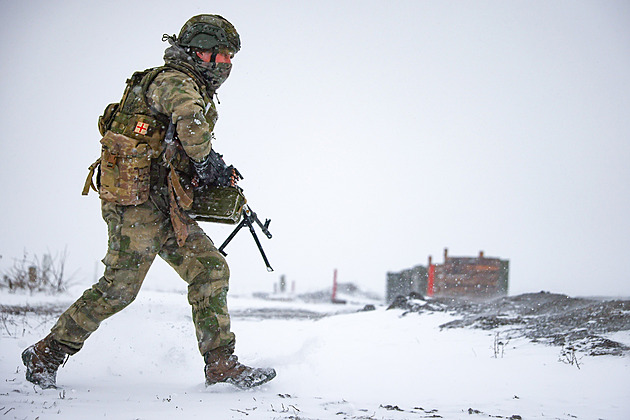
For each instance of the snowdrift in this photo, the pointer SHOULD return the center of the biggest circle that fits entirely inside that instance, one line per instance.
(420, 359)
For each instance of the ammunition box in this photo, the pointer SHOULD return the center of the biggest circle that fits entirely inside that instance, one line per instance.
(218, 205)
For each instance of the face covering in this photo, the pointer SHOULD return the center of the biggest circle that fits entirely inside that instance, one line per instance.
(215, 73)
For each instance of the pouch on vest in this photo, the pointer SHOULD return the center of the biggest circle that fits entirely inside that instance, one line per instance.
(105, 120)
(125, 167)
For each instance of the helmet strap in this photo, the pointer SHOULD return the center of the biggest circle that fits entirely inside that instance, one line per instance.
(172, 39)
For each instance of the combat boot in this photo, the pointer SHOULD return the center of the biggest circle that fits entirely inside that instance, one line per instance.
(42, 360)
(223, 366)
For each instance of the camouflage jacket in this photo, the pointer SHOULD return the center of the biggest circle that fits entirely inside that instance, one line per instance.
(179, 96)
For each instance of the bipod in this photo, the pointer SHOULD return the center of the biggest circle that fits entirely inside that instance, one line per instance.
(250, 216)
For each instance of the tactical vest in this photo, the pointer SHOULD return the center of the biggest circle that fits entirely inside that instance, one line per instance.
(133, 136)
(133, 144)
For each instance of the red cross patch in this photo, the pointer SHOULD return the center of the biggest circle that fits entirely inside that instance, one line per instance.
(141, 128)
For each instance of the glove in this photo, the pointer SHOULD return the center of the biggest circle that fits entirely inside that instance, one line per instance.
(213, 171)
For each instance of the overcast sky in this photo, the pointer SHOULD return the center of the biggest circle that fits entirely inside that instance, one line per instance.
(372, 133)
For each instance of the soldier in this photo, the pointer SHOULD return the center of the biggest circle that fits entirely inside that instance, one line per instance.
(146, 172)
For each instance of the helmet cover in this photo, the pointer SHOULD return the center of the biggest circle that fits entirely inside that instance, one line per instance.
(207, 32)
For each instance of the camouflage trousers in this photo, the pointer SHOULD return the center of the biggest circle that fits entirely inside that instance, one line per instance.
(136, 235)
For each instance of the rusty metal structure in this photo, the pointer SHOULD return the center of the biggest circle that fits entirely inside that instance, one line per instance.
(467, 277)
(471, 277)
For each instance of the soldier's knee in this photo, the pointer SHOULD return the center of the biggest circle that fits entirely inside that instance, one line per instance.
(126, 260)
(215, 268)
(118, 293)
(92, 294)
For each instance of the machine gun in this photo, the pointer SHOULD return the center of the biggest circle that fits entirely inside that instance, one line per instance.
(227, 205)
(249, 218)
(220, 201)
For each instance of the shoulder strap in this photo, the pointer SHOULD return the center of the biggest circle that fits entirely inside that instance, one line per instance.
(89, 183)
(148, 78)
(143, 79)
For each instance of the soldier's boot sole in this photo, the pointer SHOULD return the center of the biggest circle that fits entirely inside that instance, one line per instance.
(249, 378)
(36, 372)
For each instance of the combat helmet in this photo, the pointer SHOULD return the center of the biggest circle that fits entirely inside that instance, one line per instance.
(207, 32)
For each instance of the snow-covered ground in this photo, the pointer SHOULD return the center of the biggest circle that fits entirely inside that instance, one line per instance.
(143, 364)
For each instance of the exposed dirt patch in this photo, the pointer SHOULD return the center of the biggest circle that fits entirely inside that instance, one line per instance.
(578, 323)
